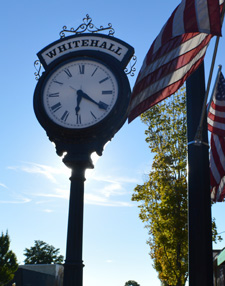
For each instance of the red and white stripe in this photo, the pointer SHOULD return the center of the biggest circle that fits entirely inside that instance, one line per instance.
(217, 168)
(216, 118)
(216, 114)
(189, 17)
(216, 125)
(178, 51)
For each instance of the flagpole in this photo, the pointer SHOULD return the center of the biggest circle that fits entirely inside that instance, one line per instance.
(199, 202)
(199, 199)
(198, 135)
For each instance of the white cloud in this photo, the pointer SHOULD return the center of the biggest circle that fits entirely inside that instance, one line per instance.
(93, 199)
(112, 179)
(48, 211)
(3, 185)
(113, 189)
(112, 186)
(49, 172)
(12, 197)
(99, 189)
(15, 201)
(56, 193)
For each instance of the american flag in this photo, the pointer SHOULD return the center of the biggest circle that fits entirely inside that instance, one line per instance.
(216, 124)
(216, 115)
(177, 51)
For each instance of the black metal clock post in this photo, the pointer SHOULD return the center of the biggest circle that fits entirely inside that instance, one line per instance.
(81, 100)
(73, 267)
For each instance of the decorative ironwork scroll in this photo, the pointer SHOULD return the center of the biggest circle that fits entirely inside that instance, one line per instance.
(87, 26)
(132, 69)
(38, 66)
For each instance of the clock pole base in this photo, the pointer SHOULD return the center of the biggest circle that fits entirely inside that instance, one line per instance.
(73, 274)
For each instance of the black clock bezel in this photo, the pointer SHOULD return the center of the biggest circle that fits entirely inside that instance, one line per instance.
(108, 125)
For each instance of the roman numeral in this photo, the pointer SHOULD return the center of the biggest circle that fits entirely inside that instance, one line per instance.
(93, 115)
(94, 71)
(56, 107)
(65, 115)
(67, 71)
(55, 81)
(107, 92)
(56, 94)
(104, 79)
(81, 69)
(78, 119)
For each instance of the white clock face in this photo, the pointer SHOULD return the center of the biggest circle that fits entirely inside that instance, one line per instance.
(80, 94)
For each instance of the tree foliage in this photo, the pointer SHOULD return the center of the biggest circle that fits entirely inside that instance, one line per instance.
(163, 196)
(131, 283)
(8, 260)
(42, 253)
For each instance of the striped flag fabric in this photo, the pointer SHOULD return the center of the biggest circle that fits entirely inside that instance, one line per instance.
(217, 168)
(216, 115)
(216, 124)
(177, 51)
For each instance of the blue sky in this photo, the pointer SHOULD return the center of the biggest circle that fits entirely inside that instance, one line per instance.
(34, 183)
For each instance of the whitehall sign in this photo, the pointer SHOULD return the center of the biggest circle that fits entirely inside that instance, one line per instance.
(86, 42)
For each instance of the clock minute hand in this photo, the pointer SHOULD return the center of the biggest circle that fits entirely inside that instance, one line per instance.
(100, 104)
(84, 95)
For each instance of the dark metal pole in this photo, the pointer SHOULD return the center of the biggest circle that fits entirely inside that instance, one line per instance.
(199, 217)
(73, 267)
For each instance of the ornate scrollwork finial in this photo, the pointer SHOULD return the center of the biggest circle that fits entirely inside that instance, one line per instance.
(87, 26)
(132, 69)
(38, 66)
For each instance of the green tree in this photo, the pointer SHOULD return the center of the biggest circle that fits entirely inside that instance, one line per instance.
(8, 260)
(131, 283)
(42, 253)
(164, 194)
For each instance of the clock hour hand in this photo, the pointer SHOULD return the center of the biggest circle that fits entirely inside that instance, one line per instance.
(79, 97)
(100, 104)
